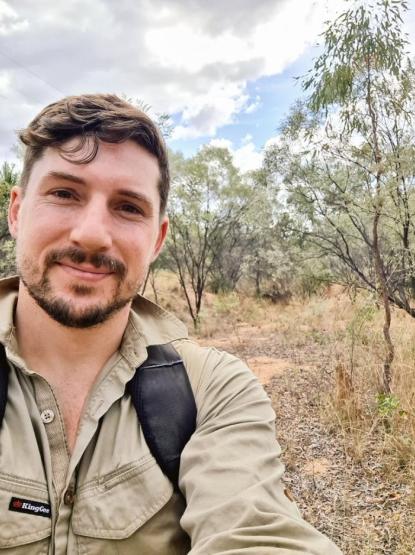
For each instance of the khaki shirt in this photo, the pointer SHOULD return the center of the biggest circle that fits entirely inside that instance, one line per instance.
(109, 496)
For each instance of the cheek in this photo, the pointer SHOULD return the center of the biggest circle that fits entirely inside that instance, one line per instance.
(140, 245)
(41, 228)
(32, 245)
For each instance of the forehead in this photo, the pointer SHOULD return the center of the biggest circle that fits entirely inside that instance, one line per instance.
(124, 164)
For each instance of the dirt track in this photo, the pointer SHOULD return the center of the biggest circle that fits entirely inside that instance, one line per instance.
(349, 500)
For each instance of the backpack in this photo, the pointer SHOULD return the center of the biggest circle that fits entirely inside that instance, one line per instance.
(163, 399)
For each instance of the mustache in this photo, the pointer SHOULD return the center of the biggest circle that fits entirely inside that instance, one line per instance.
(78, 256)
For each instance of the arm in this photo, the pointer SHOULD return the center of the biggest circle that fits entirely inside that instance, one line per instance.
(230, 470)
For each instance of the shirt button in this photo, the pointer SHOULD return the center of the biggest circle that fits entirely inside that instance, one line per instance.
(69, 496)
(47, 416)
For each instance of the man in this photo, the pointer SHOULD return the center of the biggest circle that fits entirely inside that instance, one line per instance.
(76, 474)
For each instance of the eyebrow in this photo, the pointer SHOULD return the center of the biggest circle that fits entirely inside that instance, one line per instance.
(66, 177)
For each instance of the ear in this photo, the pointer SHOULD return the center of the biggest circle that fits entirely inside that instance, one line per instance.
(16, 197)
(164, 226)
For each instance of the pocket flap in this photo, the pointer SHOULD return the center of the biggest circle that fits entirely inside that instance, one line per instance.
(114, 506)
(19, 528)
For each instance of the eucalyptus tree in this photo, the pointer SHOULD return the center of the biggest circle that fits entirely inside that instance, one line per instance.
(346, 156)
(207, 202)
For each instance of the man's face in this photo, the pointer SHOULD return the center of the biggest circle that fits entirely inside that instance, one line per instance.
(86, 233)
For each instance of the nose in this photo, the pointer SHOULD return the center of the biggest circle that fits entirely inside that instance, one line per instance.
(91, 230)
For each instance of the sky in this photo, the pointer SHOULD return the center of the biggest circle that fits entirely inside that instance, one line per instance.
(223, 70)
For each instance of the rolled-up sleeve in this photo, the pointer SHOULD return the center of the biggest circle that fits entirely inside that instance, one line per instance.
(230, 470)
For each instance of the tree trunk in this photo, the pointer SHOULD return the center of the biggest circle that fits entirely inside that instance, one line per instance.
(153, 285)
(384, 299)
(144, 286)
(381, 280)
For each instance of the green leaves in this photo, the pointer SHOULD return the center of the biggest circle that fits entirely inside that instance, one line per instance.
(208, 200)
(8, 178)
(387, 405)
(364, 44)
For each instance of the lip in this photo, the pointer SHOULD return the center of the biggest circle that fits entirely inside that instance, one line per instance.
(88, 273)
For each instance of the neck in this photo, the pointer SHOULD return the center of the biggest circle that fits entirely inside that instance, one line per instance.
(47, 346)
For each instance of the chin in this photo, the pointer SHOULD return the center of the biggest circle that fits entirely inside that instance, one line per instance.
(65, 314)
(76, 310)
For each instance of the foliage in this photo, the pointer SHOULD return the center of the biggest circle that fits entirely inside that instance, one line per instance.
(8, 178)
(364, 43)
(163, 120)
(223, 228)
(207, 202)
(7, 258)
(346, 158)
(387, 404)
(264, 261)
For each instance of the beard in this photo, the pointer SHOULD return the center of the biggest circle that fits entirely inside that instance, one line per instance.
(64, 311)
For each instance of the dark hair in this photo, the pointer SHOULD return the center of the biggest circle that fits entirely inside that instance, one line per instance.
(96, 117)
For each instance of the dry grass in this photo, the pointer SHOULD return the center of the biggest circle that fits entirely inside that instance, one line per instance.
(350, 456)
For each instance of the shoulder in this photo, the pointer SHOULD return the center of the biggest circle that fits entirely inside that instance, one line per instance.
(220, 380)
(155, 325)
(205, 366)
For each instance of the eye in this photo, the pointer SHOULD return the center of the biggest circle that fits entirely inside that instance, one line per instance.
(63, 194)
(130, 209)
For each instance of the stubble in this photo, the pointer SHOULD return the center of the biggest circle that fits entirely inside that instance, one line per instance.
(64, 311)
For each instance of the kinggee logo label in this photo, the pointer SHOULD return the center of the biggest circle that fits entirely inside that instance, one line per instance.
(29, 507)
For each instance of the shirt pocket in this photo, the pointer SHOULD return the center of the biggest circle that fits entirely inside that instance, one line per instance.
(22, 533)
(114, 507)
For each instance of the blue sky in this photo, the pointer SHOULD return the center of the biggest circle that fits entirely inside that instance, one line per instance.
(224, 71)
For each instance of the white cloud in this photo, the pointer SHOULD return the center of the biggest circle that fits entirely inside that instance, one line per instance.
(273, 40)
(9, 20)
(221, 143)
(226, 48)
(276, 140)
(5, 82)
(246, 139)
(253, 105)
(266, 46)
(210, 111)
(246, 157)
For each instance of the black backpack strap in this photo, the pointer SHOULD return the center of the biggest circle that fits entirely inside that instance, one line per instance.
(165, 405)
(4, 381)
